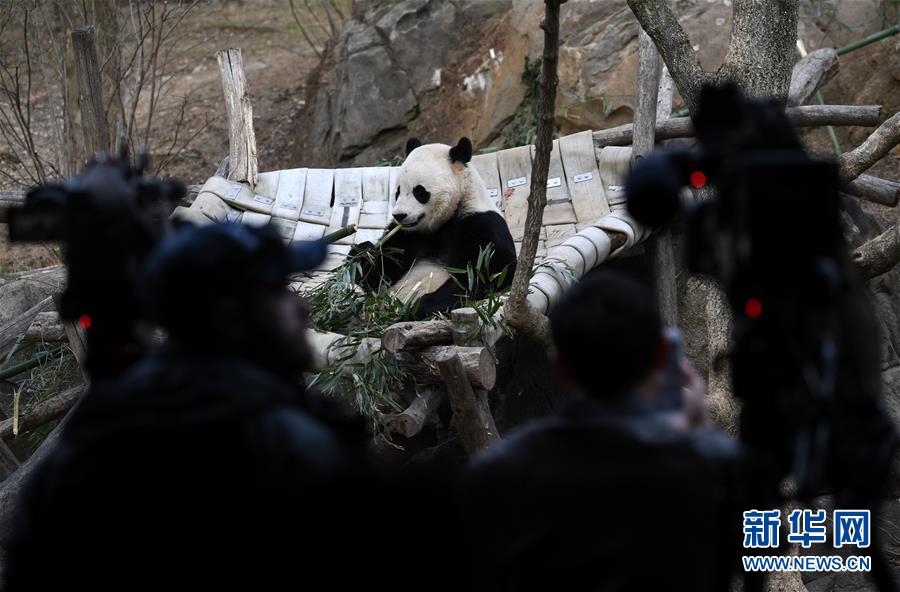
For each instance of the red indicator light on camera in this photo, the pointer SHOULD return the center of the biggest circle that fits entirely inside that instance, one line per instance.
(84, 322)
(753, 308)
(698, 179)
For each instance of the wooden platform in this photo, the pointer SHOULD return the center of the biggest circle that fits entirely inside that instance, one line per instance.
(583, 188)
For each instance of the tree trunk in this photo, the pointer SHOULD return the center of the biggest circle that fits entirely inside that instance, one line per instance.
(518, 312)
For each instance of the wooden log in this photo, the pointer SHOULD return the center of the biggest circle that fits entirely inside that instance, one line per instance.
(53, 408)
(875, 189)
(664, 95)
(466, 325)
(805, 116)
(647, 92)
(90, 88)
(810, 73)
(875, 147)
(329, 349)
(880, 254)
(242, 162)
(661, 245)
(471, 410)
(411, 421)
(11, 331)
(46, 326)
(478, 363)
(10, 488)
(416, 334)
(8, 461)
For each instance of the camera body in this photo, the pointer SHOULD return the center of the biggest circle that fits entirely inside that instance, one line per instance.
(803, 328)
(108, 219)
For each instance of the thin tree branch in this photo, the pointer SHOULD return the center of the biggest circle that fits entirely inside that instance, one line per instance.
(518, 312)
(658, 20)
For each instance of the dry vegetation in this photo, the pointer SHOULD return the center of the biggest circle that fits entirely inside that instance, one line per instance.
(161, 83)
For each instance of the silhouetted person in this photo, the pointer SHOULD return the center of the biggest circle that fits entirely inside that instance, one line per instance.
(613, 493)
(207, 463)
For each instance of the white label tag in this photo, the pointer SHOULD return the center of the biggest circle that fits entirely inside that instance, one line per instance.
(554, 182)
(493, 191)
(233, 191)
(615, 188)
(315, 212)
(517, 182)
(232, 215)
(348, 201)
(289, 206)
(263, 199)
(583, 177)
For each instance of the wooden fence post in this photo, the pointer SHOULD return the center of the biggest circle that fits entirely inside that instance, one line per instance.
(241, 137)
(90, 89)
(661, 244)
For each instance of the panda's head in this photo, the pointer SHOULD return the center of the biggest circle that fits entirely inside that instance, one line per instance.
(434, 184)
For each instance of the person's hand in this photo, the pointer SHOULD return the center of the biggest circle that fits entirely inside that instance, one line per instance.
(694, 407)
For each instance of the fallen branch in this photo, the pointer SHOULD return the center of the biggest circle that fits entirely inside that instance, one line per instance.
(46, 326)
(880, 254)
(875, 147)
(53, 408)
(9, 490)
(805, 116)
(11, 331)
(471, 410)
(875, 189)
(810, 73)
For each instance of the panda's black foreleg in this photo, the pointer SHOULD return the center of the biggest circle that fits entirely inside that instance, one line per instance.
(444, 299)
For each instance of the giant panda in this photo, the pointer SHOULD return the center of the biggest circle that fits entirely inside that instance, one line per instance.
(446, 217)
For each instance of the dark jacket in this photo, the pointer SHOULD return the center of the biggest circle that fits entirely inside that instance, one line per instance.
(605, 496)
(190, 470)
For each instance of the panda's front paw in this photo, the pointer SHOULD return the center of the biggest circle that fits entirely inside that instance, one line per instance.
(361, 248)
(427, 306)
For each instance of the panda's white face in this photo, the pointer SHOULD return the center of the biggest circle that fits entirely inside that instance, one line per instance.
(429, 188)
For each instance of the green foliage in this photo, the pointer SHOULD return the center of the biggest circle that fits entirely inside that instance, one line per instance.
(477, 276)
(394, 161)
(340, 306)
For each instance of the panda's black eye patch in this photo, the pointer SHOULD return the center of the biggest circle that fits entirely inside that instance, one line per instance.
(421, 194)
(397, 196)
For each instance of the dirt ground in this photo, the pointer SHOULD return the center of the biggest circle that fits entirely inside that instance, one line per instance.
(277, 61)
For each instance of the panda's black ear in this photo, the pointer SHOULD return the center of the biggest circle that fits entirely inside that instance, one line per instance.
(412, 144)
(462, 152)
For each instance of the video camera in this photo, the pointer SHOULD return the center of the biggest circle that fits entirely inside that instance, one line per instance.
(107, 218)
(805, 357)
